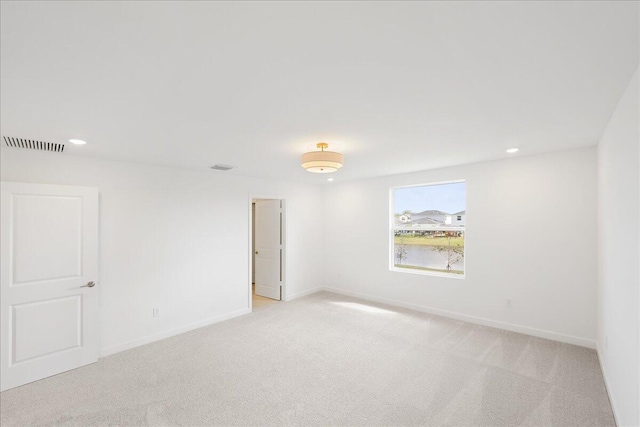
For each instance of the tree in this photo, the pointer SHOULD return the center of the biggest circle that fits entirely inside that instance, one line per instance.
(453, 254)
(401, 252)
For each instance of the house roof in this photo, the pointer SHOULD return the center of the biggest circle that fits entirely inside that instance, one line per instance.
(433, 212)
(426, 220)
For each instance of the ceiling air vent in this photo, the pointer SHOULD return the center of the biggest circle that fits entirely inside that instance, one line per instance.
(221, 167)
(31, 144)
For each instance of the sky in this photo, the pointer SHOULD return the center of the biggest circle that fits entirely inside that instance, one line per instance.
(448, 198)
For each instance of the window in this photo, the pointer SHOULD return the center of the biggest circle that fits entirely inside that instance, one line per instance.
(424, 238)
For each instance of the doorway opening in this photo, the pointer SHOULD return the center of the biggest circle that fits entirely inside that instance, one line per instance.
(267, 249)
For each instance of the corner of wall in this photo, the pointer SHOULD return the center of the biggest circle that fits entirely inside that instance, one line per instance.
(618, 290)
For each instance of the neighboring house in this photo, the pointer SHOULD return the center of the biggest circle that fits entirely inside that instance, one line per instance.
(458, 218)
(433, 214)
(401, 220)
(429, 219)
(428, 222)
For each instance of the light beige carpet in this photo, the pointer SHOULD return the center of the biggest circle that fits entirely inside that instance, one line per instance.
(327, 360)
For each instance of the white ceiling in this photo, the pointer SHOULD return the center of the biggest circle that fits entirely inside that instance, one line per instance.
(396, 87)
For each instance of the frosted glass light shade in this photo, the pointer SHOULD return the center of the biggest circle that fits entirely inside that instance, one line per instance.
(322, 161)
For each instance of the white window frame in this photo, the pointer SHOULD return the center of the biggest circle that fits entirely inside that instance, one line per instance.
(392, 229)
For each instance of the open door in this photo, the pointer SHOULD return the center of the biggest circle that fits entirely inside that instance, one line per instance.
(49, 302)
(268, 250)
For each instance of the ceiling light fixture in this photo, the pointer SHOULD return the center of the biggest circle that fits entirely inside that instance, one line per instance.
(77, 141)
(322, 161)
(513, 150)
(329, 179)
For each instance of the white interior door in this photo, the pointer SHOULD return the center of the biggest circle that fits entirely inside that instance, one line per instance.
(268, 248)
(253, 243)
(49, 307)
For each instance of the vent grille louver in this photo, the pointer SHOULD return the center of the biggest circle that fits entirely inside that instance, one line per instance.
(221, 167)
(31, 144)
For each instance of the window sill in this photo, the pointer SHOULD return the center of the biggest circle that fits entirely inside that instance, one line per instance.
(427, 273)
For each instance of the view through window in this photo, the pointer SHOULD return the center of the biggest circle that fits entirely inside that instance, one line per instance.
(429, 228)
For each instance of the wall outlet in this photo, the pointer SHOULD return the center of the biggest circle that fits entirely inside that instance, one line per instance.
(156, 312)
(509, 303)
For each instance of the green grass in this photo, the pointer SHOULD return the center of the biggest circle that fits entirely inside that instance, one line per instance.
(438, 270)
(428, 241)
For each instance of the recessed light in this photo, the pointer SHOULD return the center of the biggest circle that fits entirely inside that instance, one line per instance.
(329, 179)
(512, 150)
(77, 141)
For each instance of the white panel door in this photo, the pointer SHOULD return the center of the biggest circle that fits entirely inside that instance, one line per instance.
(49, 302)
(268, 249)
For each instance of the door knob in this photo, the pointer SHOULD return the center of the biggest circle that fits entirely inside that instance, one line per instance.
(256, 252)
(88, 285)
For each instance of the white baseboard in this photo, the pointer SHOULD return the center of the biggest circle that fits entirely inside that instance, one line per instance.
(569, 339)
(303, 294)
(170, 332)
(606, 385)
(463, 317)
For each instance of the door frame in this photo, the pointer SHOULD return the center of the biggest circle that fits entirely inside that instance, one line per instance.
(283, 284)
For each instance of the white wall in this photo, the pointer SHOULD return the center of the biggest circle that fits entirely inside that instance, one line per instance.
(619, 257)
(531, 236)
(176, 239)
